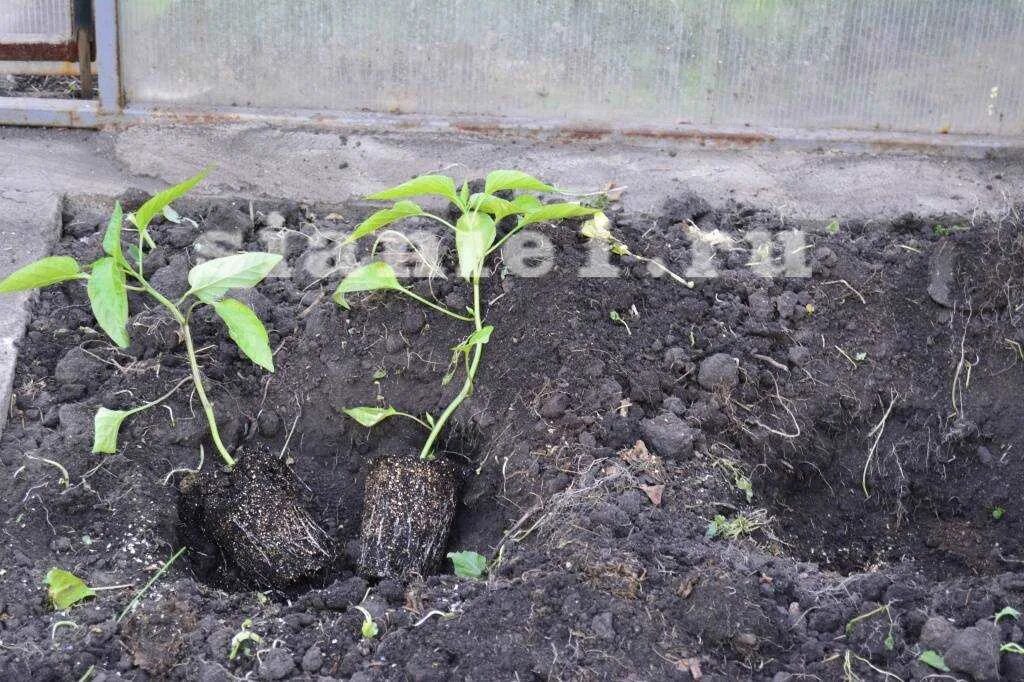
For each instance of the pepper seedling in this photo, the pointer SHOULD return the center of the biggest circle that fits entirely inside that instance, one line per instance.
(476, 238)
(110, 278)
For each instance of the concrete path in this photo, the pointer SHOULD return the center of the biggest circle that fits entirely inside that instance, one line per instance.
(39, 167)
(29, 225)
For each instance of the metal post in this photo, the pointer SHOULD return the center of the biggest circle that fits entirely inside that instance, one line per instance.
(108, 68)
(83, 31)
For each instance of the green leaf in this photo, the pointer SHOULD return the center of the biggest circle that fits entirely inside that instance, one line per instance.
(474, 234)
(106, 427)
(998, 513)
(931, 658)
(402, 209)
(743, 484)
(598, 227)
(109, 299)
(158, 201)
(369, 629)
(477, 338)
(370, 416)
(373, 277)
(515, 180)
(464, 192)
(524, 203)
(65, 588)
(112, 237)
(715, 527)
(555, 212)
(440, 185)
(468, 564)
(246, 330)
(1012, 648)
(212, 279)
(496, 206)
(1008, 612)
(41, 273)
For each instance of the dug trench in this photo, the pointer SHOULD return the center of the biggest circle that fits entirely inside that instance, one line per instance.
(757, 478)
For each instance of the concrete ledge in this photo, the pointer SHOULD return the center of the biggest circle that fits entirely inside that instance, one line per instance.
(30, 223)
(71, 113)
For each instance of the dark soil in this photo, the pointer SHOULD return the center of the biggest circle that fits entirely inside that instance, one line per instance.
(900, 352)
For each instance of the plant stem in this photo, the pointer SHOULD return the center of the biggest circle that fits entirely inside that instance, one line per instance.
(656, 263)
(497, 245)
(467, 385)
(414, 418)
(438, 308)
(439, 219)
(197, 378)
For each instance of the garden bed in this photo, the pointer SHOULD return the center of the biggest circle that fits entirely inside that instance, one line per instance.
(899, 356)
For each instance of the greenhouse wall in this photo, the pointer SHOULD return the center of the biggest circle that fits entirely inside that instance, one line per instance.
(27, 21)
(928, 66)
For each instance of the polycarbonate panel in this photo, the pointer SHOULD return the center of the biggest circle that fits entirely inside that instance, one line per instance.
(35, 21)
(922, 65)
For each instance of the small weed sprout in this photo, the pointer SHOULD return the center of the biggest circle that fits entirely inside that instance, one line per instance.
(934, 660)
(476, 238)
(1007, 612)
(738, 526)
(615, 317)
(943, 231)
(468, 564)
(242, 639)
(368, 629)
(109, 279)
(739, 479)
(889, 642)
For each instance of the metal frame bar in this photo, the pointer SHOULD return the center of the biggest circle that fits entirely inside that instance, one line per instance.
(38, 111)
(108, 60)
